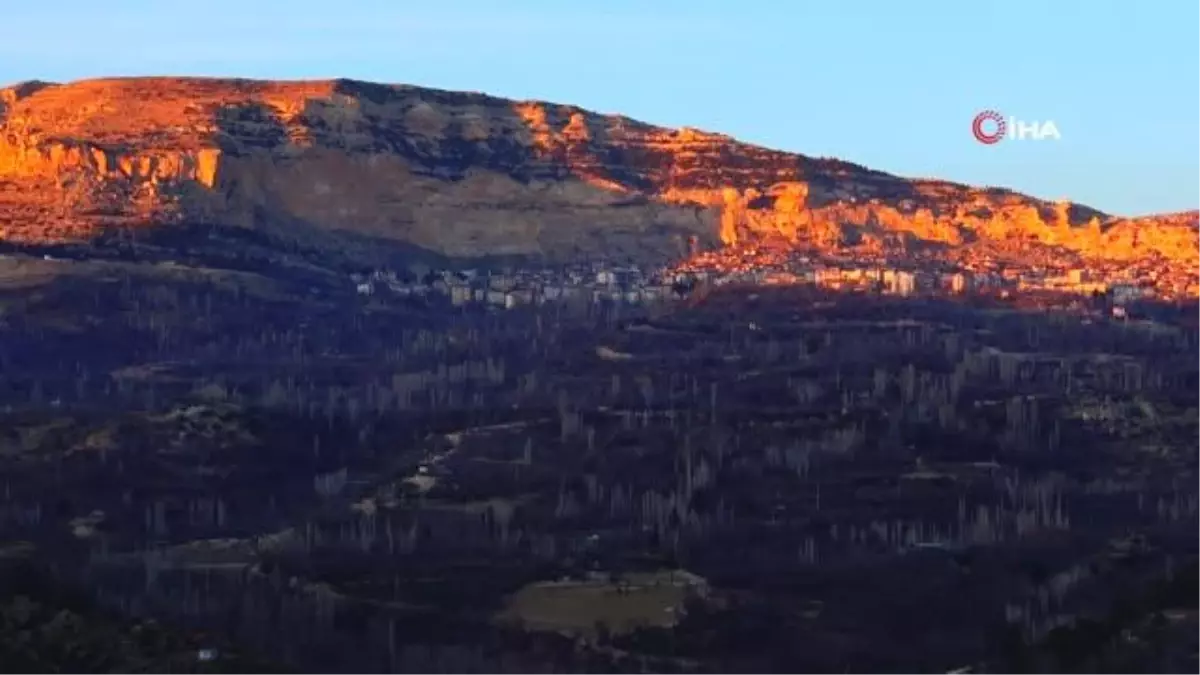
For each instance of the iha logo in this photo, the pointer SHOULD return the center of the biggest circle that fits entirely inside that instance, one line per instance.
(990, 127)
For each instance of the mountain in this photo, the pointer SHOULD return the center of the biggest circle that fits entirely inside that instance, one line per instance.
(468, 174)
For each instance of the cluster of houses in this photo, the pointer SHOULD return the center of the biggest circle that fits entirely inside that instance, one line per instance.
(508, 290)
(632, 285)
(771, 266)
(1077, 281)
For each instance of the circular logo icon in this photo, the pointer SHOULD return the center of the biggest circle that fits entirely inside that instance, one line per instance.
(984, 120)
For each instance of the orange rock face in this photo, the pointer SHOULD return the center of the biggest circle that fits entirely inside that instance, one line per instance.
(469, 174)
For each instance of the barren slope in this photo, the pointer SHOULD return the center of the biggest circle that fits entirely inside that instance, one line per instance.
(468, 174)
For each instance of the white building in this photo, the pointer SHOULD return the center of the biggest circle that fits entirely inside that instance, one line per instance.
(1123, 293)
(959, 282)
(900, 282)
(460, 295)
(517, 298)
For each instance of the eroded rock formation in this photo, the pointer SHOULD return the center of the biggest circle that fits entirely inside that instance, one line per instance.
(468, 174)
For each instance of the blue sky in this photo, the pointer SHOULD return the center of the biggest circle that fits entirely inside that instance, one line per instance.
(892, 85)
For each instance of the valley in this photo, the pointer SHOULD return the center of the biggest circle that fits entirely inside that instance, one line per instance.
(744, 478)
(340, 376)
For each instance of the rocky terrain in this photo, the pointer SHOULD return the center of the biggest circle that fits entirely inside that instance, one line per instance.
(231, 439)
(467, 174)
(763, 480)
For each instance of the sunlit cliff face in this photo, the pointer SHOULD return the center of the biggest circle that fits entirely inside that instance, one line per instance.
(470, 174)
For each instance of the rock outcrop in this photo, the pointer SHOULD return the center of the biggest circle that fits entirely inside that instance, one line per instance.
(467, 174)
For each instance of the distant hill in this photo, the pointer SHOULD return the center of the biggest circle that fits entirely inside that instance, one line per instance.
(466, 174)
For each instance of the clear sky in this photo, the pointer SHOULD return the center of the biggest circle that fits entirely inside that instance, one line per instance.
(892, 85)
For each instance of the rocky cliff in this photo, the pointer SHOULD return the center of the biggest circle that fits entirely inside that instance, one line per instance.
(468, 174)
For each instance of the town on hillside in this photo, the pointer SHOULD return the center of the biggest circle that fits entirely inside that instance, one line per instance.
(759, 265)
